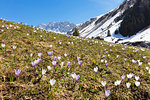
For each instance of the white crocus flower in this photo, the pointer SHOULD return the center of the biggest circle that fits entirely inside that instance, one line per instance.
(137, 78)
(95, 69)
(39, 54)
(102, 61)
(43, 71)
(52, 82)
(128, 85)
(130, 75)
(59, 57)
(137, 83)
(103, 83)
(65, 55)
(14, 47)
(140, 63)
(49, 68)
(3, 45)
(51, 46)
(31, 54)
(147, 68)
(117, 82)
(62, 64)
(73, 75)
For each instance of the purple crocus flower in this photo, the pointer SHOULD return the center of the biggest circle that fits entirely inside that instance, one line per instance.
(136, 50)
(50, 53)
(28, 31)
(17, 72)
(123, 77)
(78, 58)
(36, 62)
(107, 93)
(41, 31)
(68, 63)
(54, 63)
(103, 56)
(77, 78)
(79, 62)
(106, 51)
(125, 59)
(106, 64)
(55, 58)
(110, 50)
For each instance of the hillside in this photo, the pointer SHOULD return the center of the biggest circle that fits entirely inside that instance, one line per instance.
(25, 53)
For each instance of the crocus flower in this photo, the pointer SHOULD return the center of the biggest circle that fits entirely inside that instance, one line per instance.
(50, 53)
(31, 54)
(123, 77)
(62, 64)
(103, 83)
(137, 78)
(117, 82)
(128, 85)
(125, 59)
(130, 75)
(52, 82)
(36, 62)
(107, 93)
(39, 54)
(137, 83)
(17, 72)
(54, 63)
(55, 58)
(49, 68)
(95, 69)
(106, 64)
(147, 68)
(103, 56)
(43, 71)
(14, 47)
(79, 62)
(134, 61)
(75, 77)
(3, 45)
(65, 55)
(51, 46)
(140, 63)
(68, 63)
(78, 58)
(59, 57)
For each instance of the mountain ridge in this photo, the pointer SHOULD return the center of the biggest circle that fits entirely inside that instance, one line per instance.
(60, 27)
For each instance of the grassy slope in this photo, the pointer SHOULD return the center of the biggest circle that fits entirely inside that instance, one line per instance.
(89, 84)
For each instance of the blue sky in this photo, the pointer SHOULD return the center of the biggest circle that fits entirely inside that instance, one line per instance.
(33, 12)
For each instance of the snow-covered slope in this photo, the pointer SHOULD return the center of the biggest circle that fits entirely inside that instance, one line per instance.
(143, 35)
(100, 25)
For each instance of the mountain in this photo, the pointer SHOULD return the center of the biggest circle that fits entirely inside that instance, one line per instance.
(129, 18)
(61, 27)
